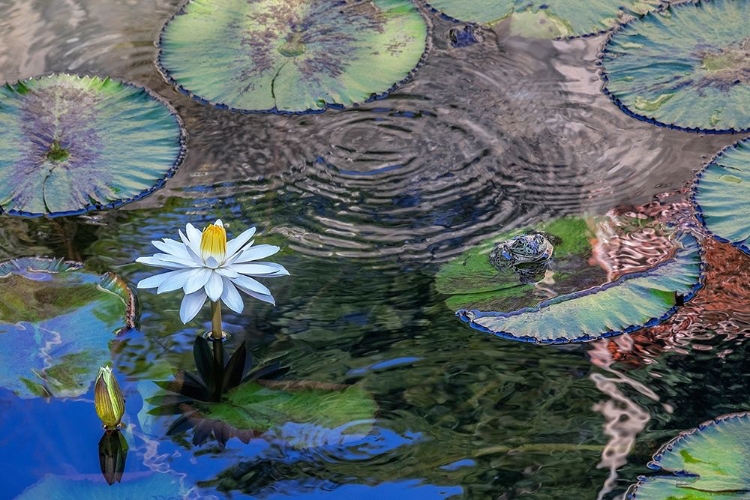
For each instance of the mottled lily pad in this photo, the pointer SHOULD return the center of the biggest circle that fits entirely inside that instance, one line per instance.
(710, 462)
(631, 302)
(161, 486)
(547, 18)
(71, 144)
(56, 322)
(291, 56)
(687, 67)
(472, 282)
(722, 195)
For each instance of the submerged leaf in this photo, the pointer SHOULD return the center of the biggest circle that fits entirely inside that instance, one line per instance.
(291, 56)
(710, 462)
(722, 195)
(687, 67)
(71, 144)
(56, 323)
(547, 18)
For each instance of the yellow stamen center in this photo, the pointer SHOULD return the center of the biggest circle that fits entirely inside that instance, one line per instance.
(214, 243)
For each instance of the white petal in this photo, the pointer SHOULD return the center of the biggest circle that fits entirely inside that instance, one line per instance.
(195, 236)
(250, 284)
(176, 281)
(172, 247)
(219, 223)
(157, 262)
(155, 281)
(197, 280)
(264, 269)
(214, 287)
(231, 297)
(194, 252)
(212, 262)
(257, 252)
(237, 243)
(259, 296)
(227, 272)
(191, 304)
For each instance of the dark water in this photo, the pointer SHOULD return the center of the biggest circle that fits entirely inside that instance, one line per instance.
(366, 204)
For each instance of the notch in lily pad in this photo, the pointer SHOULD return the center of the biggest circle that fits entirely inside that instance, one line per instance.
(709, 462)
(288, 56)
(546, 18)
(71, 144)
(56, 323)
(687, 67)
(721, 195)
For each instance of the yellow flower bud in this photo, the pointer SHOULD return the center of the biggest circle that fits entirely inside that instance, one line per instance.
(110, 405)
(214, 242)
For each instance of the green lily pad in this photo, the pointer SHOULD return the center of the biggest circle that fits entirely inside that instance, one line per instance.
(547, 18)
(721, 196)
(71, 144)
(472, 282)
(687, 67)
(258, 407)
(629, 303)
(291, 56)
(56, 322)
(50, 487)
(710, 462)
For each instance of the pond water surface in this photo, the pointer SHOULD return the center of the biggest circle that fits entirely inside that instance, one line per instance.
(366, 204)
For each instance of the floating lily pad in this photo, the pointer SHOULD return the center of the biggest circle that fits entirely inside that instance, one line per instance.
(71, 144)
(472, 282)
(721, 195)
(631, 302)
(547, 18)
(157, 485)
(291, 56)
(687, 67)
(710, 462)
(56, 322)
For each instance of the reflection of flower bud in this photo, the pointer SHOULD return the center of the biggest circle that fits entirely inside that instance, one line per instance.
(108, 399)
(113, 451)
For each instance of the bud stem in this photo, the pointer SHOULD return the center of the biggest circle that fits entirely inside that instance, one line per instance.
(216, 331)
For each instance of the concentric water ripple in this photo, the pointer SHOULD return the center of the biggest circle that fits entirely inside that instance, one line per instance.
(487, 137)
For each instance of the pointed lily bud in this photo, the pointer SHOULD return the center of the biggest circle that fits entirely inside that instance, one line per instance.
(110, 405)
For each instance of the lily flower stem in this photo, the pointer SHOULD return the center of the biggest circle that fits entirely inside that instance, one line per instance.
(216, 331)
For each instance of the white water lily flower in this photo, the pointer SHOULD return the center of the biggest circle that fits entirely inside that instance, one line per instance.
(206, 265)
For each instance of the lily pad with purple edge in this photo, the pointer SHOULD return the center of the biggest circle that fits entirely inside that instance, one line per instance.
(721, 195)
(710, 462)
(547, 18)
(156, 486)
(631, 302)
(687, 67)
(291, 56)
(56, 324)
(71, 144)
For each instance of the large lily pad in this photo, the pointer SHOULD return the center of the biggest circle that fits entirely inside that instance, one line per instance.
(291, 56)
(631, 302)
(722, 195)
(71, 144)
(687, 67)
(156, 485)
(710, 462)
(56, 322)
(547, 18)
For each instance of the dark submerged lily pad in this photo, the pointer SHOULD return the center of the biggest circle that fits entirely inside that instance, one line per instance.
(547, 18)
(710, 462)
(291, 56)
(722, 195)
(631, 302)
(56, 322)
(687, 67)
(71, 144)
